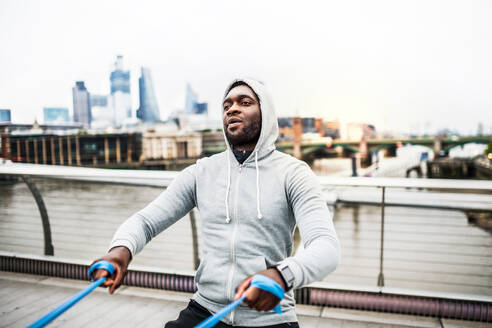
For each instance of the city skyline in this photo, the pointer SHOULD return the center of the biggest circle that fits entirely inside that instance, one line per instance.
(420, 66)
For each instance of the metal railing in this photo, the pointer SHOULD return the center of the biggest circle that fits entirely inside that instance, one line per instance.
(429, 184)
(163, 178)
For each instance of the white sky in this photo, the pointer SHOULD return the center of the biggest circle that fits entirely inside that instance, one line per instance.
(402, 65)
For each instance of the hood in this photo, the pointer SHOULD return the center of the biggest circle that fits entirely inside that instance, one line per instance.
(266, 141)
(269, 123)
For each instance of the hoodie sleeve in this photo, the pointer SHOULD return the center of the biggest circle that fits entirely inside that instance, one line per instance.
(321, 252)
(170, 206)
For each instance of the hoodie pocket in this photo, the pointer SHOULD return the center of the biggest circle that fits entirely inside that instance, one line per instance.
(211, 277)
(245, 267)
(198, 273)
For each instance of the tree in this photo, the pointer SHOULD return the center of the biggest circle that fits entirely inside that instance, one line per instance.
(488, 150)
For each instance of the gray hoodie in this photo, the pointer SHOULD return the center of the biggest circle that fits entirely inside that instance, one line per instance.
(249, 213)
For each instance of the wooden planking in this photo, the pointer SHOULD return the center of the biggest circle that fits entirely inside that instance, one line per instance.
(86, 306)
(31, 306)
(137, 307)
(97, 309)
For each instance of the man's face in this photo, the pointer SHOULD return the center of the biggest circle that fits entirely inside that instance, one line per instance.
(242, 117)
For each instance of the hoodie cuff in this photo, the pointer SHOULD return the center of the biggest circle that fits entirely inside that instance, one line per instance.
(296, 271)
(125, 243)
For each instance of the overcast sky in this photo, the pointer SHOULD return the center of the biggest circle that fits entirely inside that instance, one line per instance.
(401, 65)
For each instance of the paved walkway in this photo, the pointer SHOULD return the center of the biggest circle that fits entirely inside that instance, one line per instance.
(24, 298)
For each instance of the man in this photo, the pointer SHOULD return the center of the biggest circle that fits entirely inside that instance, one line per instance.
(250, 198)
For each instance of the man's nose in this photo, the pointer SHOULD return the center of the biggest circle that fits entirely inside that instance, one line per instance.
(234, 109)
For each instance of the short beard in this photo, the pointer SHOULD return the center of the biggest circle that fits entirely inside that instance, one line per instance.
(249, 135)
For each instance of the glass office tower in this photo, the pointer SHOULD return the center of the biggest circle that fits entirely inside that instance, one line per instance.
(120, 99)
(81, 104)
(56, 115)
(148, 111)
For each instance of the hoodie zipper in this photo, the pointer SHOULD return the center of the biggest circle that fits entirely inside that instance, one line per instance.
(231, 273)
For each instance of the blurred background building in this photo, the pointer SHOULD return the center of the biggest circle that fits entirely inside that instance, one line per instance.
(192, 106)
(81, 104)
(357, 131)
(5, 115)
(56, 115)
(303, 128)
(149, 110)
(120, 99)
(102, 114)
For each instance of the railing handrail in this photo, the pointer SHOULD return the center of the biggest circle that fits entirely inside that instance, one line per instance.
(438, 184)
(163, 178)
(151, 178)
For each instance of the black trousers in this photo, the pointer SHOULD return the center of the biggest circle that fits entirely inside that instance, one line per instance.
(195, 313)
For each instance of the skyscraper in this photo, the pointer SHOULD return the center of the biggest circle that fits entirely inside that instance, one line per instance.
(81, 104)
(148, 111)
(99, 101)
(102, 114)
(201, 108)
(120, 99)
(56, 115)
(192, 106)
(191, 99)
(5, 115)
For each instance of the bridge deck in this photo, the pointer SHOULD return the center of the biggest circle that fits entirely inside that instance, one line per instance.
(25, 298)
(425, 249)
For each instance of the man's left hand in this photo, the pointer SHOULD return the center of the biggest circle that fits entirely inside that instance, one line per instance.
(256, 298)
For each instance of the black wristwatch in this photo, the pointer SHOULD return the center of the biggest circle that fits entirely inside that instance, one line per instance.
(286, 274)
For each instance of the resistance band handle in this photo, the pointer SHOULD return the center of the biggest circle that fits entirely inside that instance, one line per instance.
(260, 281)
(105, 265)
(46, 319)
(268, 284)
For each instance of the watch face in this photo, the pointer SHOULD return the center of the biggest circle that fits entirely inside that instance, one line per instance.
(288, 275)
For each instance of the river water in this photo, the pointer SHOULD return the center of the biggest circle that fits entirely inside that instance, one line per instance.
(425, 249)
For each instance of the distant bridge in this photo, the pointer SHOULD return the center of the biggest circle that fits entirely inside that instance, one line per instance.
(311, 150)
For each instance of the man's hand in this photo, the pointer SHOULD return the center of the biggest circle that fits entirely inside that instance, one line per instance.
(120, 258)
(256, 298)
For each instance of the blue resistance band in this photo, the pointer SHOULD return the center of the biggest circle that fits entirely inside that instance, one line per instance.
(105, 265)
(259, 281)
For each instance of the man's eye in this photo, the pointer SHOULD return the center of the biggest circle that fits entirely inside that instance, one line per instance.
(226, 107)
(246, 103)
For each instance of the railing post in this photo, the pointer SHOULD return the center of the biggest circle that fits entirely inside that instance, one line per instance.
(381, 251)
(194, 239)
(48, 245)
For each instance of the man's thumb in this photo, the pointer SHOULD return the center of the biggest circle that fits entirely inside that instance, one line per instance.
(242, 287)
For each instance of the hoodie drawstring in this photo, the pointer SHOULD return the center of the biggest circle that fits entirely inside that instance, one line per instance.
(257, 187)
(259, 215)
(228, 219)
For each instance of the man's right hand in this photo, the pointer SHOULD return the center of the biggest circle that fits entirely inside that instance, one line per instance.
(120, 258)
